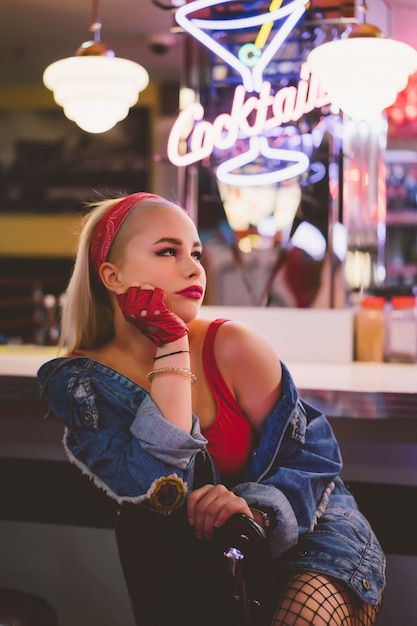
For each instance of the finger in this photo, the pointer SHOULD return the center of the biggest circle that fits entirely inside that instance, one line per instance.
(216, 511)
(214, 507)
(152, 300)
(230, 506)
(137, 300)
(205, 517)
(193, 499)
(141, 297)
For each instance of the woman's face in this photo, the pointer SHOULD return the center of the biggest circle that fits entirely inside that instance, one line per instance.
(165, 251)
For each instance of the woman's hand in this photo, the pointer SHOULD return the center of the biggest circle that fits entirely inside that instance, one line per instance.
(211, 506)
(145, 308)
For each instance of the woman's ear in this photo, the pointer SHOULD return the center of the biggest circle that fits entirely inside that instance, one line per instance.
(109, 276)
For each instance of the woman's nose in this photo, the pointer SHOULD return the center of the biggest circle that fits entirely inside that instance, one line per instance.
(194, 267)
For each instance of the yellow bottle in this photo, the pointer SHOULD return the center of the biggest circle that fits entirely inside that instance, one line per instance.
(370, 329)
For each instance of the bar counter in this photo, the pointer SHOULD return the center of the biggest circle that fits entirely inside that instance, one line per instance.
(372, 408)
(346, 376)
(373, 401)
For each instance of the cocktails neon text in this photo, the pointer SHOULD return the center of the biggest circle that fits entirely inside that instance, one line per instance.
(249, 117)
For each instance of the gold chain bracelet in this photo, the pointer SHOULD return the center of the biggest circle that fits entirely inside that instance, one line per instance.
(183, 371)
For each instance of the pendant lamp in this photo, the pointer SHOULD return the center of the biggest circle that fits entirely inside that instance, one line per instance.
(94, 87)
(363, 72)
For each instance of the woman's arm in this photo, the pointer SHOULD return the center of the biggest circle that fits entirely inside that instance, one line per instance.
(144, 307)
(171, 390)
(291, 472)
(252, 372)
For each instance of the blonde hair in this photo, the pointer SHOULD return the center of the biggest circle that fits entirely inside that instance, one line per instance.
(87, 319)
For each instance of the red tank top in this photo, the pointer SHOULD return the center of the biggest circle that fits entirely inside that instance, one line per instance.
(230, 436)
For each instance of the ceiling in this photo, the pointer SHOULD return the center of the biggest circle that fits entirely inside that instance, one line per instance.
(34, 33)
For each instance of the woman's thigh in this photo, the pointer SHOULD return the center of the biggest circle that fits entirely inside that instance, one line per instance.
(310, 599)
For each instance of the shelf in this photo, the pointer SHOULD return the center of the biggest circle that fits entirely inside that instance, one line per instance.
(404, 271)
(404, 217)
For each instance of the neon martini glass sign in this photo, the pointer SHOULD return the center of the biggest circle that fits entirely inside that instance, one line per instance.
(268, 110)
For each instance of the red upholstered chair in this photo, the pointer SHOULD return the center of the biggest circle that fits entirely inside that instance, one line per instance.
(173, 578)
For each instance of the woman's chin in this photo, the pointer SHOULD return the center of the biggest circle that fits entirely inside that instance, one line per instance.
(190, 312)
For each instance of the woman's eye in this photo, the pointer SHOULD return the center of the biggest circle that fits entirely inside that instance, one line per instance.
(167, 252)
(197, 254)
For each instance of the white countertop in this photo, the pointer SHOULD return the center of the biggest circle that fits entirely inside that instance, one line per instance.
(352, 376)
(388, 377)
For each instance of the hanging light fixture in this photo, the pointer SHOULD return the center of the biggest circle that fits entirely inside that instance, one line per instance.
(363, 72)
(95, 88)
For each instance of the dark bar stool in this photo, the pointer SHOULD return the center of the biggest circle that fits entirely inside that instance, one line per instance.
(173, 578)
(21, 608)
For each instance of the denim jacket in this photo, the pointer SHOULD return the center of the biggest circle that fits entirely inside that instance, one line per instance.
(116, 434)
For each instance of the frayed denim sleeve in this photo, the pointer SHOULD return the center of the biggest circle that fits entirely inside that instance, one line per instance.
(284, 525)
(164, 440)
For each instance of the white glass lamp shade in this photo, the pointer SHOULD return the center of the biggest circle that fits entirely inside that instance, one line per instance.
(95, 92)
(363, 75)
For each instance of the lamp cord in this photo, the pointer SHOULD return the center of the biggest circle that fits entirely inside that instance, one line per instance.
(95, 27)
(363, 10)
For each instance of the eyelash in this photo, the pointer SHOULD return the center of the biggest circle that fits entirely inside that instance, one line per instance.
(173, 252)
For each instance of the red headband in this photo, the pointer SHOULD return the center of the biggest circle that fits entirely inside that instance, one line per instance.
(109, 225)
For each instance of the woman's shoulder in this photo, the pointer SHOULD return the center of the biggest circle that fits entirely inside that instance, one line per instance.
(232, 339)
(200, 326)
(227, 329)
(250, 367)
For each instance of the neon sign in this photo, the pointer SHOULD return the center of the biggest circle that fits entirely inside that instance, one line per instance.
(255, 111)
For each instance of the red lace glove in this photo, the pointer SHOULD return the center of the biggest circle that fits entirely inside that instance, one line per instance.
(146, 309)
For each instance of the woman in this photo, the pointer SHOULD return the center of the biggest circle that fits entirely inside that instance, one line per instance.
(148, 389)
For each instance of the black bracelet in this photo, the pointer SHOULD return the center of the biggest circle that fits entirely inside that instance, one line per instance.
(170, 354)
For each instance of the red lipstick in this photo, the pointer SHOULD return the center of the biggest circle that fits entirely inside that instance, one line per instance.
(195, 291)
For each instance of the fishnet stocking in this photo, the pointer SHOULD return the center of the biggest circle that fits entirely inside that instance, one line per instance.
(308, 599)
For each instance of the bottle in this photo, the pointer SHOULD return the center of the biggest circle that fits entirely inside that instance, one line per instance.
(401, 343)
(370, 329)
